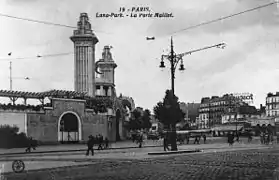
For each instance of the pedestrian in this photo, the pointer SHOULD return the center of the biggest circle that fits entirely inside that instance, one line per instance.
(262, 137)
(267, 139)
(187, 138)
(196, 139)
(166, 145)
(237, 136)
(199, 138)
(204, 138)
(106, 143)
(90, 145)
(249, 137)
(100, 141)
(230, 139)
(140, 139)
(30, 145)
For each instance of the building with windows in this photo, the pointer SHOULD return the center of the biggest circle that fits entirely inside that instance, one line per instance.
(241, 115)
(272, 104)
(212, 109)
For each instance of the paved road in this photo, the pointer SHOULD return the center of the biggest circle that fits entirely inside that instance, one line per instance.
(214, 164)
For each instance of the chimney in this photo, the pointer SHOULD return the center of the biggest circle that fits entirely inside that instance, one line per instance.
(261, 106)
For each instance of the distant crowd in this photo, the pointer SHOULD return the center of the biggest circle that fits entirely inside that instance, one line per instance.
(103, 143)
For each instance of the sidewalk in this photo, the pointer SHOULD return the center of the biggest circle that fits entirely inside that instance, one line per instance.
(54, 161)
(74, 147)
(117, 145)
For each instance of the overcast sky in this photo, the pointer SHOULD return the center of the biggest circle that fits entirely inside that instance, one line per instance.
(249, 63)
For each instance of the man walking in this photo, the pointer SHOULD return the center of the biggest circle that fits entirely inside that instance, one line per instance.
(90, 145)
(204, 138)
(166, 146)
(140, 140)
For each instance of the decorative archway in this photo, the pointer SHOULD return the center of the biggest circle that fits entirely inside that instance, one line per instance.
(69, 127)
(118, 116)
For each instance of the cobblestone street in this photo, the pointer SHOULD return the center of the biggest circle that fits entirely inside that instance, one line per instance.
(243, 164)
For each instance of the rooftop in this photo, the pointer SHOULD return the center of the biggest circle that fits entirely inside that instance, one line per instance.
(41, 95)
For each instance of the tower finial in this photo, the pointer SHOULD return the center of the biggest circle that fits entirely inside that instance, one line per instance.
(106, 55)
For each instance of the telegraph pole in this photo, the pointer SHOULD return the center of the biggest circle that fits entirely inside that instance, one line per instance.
(11, 78)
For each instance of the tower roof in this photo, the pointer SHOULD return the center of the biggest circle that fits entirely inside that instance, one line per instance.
(84, 29)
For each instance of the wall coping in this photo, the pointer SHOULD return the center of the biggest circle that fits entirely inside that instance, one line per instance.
(73, 100)
(21, 111)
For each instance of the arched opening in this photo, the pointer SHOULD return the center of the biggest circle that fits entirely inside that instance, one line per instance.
(69, 128)
(118, 116)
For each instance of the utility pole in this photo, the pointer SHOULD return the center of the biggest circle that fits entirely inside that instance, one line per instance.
(11, 78)
(174, 59)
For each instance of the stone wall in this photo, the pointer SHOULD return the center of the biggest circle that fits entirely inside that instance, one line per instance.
(44, 126)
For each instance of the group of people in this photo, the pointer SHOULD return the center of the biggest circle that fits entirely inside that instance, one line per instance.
(234, 137)
(266, 138)
(98, 139)
(181, 140)
(32, 144)
(187, 137)
(138, 138)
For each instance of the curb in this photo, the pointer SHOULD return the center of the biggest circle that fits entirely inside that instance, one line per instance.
(174, 152)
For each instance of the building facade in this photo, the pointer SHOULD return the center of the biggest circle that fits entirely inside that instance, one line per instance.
(212, 109)
(242, 114)
(272, 104)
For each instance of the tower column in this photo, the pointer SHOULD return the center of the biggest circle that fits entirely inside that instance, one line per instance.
(84, 42)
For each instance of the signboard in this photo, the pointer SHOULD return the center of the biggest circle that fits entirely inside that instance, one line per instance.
(245, 97)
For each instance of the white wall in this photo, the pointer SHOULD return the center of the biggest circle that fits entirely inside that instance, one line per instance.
(11, 118)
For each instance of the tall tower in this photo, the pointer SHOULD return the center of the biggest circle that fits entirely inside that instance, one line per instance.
(105, 84)
(84, 43)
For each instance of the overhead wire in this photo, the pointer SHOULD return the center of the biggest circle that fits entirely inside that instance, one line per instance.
(175, 32)
(36, 57)
(223, 18)
(45, 22)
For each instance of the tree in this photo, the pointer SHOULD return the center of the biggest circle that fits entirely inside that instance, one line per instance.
(140, 120)
(146, 124)
(135, 120)
(169, 113)
(126, 103)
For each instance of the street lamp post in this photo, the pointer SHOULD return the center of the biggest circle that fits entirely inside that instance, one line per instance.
(174, 60)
